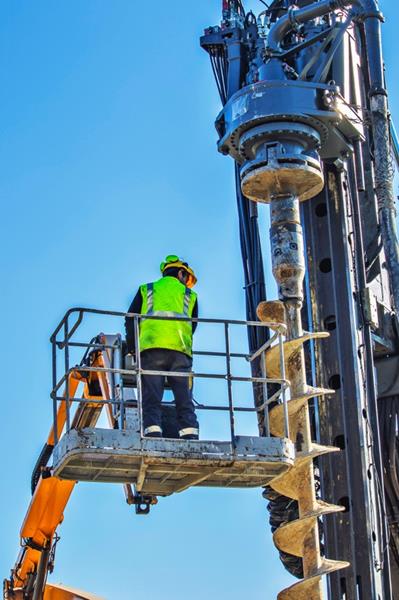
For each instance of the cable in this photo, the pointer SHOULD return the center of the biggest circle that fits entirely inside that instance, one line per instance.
(219, 68)
(251, 251)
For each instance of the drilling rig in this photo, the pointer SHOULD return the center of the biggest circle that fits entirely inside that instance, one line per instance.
(305, 118)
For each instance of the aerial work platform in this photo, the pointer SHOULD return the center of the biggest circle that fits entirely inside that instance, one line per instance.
(161, 466)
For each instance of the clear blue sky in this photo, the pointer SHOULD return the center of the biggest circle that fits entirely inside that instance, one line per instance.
(108, 162)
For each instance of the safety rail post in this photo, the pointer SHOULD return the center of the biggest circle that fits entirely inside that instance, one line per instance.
(114, 407)
(120, 383)
(54, 393)
(138, 371)
(283, 391)
(265, 394)
(67, 390)
(229, 384)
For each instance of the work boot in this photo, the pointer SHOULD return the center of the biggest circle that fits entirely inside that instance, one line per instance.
(189, 433)
(153, 431)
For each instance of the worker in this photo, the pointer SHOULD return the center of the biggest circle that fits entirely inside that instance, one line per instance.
(166, 345)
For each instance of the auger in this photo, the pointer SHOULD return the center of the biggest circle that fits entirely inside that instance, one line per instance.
(300, 537)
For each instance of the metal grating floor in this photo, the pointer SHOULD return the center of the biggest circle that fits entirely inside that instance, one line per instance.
(165, 466)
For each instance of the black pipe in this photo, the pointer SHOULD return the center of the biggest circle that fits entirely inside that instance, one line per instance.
(384, 173)
(372, 18)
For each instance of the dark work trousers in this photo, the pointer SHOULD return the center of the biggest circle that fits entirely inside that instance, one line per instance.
(153, 387)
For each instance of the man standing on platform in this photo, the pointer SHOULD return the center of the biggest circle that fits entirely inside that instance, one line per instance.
(166, 345)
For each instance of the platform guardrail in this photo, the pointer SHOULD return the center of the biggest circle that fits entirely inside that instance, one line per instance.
(63, 339)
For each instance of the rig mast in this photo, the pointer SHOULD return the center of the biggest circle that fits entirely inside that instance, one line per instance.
(305, 118)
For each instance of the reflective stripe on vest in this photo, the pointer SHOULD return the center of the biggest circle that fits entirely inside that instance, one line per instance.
(159, 298)
(166, 313)
(150, 297)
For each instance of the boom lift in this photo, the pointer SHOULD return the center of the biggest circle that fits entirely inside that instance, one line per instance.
(81, 451)
(305, 118)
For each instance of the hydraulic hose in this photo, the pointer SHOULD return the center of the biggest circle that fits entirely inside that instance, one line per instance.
(296, 17)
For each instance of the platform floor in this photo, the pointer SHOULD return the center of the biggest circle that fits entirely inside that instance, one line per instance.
(166, 466)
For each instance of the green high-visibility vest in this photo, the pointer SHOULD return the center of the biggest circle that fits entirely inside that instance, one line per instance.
(167, 297)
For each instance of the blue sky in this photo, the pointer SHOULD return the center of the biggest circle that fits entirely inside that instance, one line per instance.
(109, 163)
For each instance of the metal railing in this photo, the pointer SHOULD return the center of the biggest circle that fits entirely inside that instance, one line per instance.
(62, 340)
